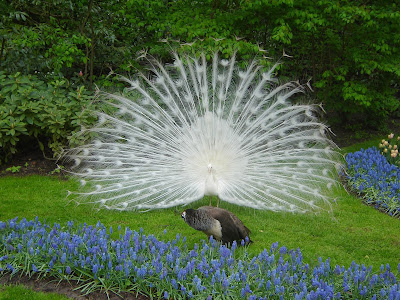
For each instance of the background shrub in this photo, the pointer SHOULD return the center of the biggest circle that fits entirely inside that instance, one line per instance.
(48, 112)
(349, 51)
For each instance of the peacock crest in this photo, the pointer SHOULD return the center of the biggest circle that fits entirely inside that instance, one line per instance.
(194, 129)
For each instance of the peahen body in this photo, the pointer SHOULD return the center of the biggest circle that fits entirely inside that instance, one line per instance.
(194, 129)
(220, 223)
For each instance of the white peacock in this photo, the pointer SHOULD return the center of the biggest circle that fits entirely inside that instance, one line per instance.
(194, 129)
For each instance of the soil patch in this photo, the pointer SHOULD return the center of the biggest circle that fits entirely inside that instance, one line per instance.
(30, 160)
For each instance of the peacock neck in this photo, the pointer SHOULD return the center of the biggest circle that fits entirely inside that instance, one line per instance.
(211, 183)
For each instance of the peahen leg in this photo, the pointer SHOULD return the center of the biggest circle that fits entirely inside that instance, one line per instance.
(210, 197)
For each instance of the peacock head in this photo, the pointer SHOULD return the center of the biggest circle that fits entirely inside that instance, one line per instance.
(210, 168)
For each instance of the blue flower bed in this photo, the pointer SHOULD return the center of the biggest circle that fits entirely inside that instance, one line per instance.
(168, 269)
(370, 174)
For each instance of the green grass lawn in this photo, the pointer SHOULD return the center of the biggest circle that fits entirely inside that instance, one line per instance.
(373, 142)
(20, 292)
(351, 231)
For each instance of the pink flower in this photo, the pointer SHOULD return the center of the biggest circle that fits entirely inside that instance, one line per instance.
(390, 136)
(80, 74)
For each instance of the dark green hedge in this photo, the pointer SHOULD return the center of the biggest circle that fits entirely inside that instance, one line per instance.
(349, 51)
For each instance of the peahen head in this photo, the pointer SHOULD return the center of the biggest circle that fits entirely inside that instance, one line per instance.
(196, 128)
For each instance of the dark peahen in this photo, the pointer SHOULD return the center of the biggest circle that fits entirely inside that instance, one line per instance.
(220, 223)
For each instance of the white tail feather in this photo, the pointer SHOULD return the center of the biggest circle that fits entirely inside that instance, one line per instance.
(191, 131)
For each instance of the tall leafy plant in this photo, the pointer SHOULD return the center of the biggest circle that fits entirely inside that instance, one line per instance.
(40, 47)
(49, 113)
(350, 50)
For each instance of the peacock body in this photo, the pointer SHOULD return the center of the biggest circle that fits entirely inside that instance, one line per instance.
(193, 129)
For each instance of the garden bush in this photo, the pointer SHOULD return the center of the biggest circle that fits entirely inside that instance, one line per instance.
(144, 263)
(49, 113)
(348, 50)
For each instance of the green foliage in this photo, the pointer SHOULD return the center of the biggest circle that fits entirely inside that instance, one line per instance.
(30, 108)
(348, 50)
(43, 48)
(13, 169)
(57, 170)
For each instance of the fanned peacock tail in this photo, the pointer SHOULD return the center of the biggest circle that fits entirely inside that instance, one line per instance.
(193, 130)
